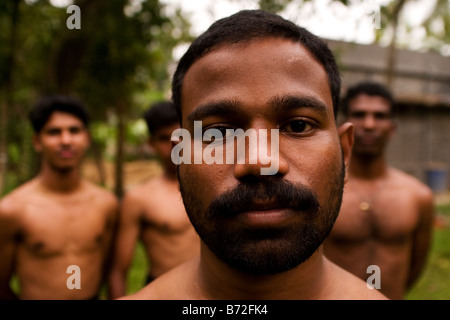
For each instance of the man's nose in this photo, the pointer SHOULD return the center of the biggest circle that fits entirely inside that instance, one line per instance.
(369, 121)
(262, 156)
(66, 137)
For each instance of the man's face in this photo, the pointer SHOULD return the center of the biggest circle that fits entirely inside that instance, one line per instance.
(62, 141)
(254, 223)
(372, 118)
(161, 143)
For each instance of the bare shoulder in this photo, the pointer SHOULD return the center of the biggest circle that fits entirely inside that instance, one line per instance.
(144, 190)
(151, 194)
(138, 202)
(103, 195)
(13, 203)
(149, 292)
(412, 185)
(173, 285)
(346, 286)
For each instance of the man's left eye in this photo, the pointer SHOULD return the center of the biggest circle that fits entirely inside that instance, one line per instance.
(75, 130)
(296, 126)
(53, 132)
(217, 133)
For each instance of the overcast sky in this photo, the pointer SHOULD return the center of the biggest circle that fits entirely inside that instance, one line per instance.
(325, 18)
(332, 21)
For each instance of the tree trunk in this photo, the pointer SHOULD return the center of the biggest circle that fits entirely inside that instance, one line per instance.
(391, 60)
(119, 183)
(3, 145)
(98, 158)
(8, 103)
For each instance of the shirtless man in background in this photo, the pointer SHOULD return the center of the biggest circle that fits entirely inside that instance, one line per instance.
(154, 211)
(386, 215)
(57, 219)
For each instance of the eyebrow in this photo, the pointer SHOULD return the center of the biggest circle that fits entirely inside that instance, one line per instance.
(366, 111)
(215, 108)
(47, 129)
(288, 103)
(279, 103)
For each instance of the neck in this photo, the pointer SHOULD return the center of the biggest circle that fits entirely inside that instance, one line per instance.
(219, 281)
(368, 167)
(59, 181)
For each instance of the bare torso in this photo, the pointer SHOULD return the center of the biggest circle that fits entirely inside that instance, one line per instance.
(316, 279)
(168, 235)
(379, 224)
(55, 231)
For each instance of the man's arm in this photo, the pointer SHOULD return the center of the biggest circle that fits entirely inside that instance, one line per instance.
(110, 234)
(8, 231)
(124, 245)
(422, 236)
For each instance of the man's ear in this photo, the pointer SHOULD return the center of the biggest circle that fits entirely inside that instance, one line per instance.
(37, 143)
(345, 132)
(393, 129)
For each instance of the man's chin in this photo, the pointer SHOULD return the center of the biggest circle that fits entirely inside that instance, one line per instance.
(63, 169)
(367, 152)
(267, 252)
(265, 263)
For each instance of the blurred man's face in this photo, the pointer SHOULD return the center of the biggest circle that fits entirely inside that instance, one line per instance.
(161, 143)
(254, 223)
(62, 141)
(372, 119)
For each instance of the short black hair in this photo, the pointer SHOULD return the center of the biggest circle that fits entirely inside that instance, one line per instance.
(370, 88)
(45, 106)
(247, 25)
(160, 114)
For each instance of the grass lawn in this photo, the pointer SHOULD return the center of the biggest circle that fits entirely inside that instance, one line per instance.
(434, 283)
(138, 272)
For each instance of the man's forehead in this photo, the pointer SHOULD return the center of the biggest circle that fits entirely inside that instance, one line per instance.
(365, 101)
(220, 68)
(226, 51)
(62, 118)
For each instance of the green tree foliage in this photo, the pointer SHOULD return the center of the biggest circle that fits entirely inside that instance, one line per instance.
(277, 6)
(25, 42)
(121, 53)
(439, 17)
(436, 26)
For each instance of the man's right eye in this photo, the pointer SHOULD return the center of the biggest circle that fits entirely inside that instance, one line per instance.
(357, 115)
(53, 132)
(217, 133)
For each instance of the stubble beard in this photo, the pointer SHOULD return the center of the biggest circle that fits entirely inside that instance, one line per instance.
(270, 250)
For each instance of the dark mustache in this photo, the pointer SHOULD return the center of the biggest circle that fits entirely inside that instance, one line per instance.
(284, 193)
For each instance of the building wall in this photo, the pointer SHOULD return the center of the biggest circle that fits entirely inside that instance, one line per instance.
(421, 86)
(421, 144)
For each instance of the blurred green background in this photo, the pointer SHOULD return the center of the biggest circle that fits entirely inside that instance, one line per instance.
(434, 283)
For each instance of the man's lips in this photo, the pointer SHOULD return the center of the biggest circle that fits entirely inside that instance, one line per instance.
(265, 214)
(66, 154)
(266, 218)
(261, 205)
(367, 139)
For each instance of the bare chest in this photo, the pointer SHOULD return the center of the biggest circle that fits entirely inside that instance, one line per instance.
(388, 219)
(165, 217)
(49, 229)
